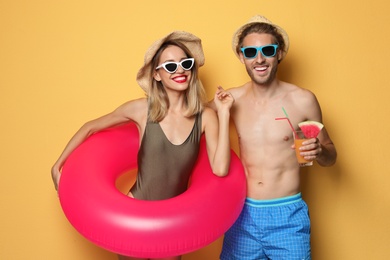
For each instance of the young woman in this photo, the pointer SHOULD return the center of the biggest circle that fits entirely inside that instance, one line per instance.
(170, 120)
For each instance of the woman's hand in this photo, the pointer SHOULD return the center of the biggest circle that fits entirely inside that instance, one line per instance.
(56, 175)
(223, 99)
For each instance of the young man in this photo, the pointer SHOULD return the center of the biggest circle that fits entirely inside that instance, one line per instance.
(274, 223)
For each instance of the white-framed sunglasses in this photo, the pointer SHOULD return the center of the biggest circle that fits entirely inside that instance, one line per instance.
(171, 66)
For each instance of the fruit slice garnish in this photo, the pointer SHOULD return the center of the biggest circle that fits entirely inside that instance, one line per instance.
(310, 129)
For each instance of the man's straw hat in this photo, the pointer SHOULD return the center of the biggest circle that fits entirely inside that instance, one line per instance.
(192, 43)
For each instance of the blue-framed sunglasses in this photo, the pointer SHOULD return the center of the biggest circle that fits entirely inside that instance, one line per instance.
(250, 52)
(171, 66)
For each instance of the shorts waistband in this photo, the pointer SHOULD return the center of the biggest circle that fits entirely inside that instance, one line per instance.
(273, 202)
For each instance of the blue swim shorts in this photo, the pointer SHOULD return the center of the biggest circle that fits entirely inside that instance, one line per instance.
(274, 229)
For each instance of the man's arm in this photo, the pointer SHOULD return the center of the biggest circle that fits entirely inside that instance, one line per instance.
(328, 153)
(325, 150)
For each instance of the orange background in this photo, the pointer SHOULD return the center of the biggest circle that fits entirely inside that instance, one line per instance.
(63, 63)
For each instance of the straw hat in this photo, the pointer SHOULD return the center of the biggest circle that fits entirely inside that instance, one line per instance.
(192, 43)
(260, 19)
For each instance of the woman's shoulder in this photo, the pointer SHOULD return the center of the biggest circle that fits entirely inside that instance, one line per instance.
(207, 111)
(209, 118)
(140, 103)
(135, 109)
(208, 115)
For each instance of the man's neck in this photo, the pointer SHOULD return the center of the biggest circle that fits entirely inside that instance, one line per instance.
(265, 90)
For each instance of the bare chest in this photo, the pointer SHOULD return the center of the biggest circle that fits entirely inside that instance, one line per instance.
(256, 124)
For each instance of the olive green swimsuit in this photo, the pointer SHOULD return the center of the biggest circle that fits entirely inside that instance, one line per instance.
(164, 169)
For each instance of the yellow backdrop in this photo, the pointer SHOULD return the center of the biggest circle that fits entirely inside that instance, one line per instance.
(65, 62)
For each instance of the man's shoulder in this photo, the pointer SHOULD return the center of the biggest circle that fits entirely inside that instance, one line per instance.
(296, 90)
(239, 90)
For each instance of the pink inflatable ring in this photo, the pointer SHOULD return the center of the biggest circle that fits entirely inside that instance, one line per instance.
(138, 228)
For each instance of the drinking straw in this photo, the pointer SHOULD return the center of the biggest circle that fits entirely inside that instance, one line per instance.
(288, 120)
(285, 113)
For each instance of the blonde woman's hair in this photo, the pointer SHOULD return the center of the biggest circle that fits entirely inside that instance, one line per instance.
(158, 102)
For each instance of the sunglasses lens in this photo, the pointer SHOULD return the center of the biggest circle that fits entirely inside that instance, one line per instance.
(171, 67)
(269, 51)
(187, 64)
(250, 52)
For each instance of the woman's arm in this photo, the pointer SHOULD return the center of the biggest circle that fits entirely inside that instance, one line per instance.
(217, 132)
(133, 110)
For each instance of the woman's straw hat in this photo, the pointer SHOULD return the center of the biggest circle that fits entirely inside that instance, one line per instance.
(260, 19)
(192, 43)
